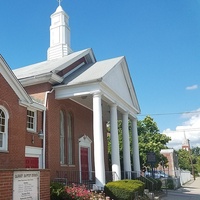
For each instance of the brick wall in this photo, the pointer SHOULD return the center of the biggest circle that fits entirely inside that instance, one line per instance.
(45, 185)
(6, 184)
(18, 137)
(15, 156)
(82, 124)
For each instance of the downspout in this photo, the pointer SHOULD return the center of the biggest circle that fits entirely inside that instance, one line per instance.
(44, 128)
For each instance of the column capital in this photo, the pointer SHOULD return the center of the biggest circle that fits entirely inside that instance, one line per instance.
(97, 94)
(133, 118)
(125, 113)
(113, 105)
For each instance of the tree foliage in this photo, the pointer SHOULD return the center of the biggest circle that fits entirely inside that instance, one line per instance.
(150, 140)
(187, 159)
(196, 151)
(184, 159)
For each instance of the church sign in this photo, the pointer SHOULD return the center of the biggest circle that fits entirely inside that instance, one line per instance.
(26, 185)
(151, 157)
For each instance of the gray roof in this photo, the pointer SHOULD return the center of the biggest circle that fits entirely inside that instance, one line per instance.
(91, 72)
(45, 67)
(87, 73)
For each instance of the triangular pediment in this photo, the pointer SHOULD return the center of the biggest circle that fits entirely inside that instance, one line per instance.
(111, 77)
(119, 81)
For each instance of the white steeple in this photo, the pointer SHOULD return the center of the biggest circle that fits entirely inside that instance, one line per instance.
(185, 143)
(59, 35)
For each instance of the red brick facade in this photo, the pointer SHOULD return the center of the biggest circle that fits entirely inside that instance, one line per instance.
(172, 164)
(18, 137)
(82, 124)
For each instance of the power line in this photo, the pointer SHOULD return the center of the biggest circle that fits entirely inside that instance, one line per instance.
(182, 130)
(172, 113)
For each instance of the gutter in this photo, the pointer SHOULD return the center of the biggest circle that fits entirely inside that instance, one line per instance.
(44, 128)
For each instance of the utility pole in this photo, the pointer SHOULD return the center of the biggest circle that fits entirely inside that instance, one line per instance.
(190, 157)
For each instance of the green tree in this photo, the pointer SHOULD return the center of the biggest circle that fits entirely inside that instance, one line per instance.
(196, 151)
(150, 140)
(187, 159)
(196, 159)
(184, 159)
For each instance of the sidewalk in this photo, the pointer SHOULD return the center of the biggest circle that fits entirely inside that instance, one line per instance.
(189, 191)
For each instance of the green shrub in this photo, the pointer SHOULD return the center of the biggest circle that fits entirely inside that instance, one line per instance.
(123, 189)
(146, 181)
(170, 183)
(57, 191)
(157, 184)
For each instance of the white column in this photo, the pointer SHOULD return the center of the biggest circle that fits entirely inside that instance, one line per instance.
(115, 142)
(126, 145)
(98, 141)
(136, 157)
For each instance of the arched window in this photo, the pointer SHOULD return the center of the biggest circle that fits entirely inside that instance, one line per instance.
(3, 129)
(62, 138)
(70, 137)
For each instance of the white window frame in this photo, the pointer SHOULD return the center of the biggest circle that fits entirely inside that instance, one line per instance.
(35, 152)
(69, 139)
(34, 120)
(62, 139)
(5, 133)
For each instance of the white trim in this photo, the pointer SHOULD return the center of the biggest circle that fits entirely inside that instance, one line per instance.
(85, 142)
(66, 91)
(34, 152)
(62, 139)
(71, 71)
(5, 134)
(41, 78)
(8, 74)
(34, 105)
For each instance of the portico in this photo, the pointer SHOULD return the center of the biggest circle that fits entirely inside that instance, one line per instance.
(109, 102)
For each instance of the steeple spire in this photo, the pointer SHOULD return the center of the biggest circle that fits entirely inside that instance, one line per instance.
(59, 2)
(59, 34)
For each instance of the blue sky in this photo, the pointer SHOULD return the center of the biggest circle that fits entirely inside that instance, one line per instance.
(160, 40)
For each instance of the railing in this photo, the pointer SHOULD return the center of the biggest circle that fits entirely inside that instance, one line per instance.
(81, 178)
(88, 178)
(130, 175)
(135, 175)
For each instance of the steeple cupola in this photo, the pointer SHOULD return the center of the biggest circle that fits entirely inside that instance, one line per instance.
(59, 35)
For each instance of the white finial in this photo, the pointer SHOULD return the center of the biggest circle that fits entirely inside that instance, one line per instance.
(59, 2)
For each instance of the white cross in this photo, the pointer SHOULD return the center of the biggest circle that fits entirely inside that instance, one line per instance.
(59, 2)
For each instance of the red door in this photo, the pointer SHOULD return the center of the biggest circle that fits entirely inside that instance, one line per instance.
(84, 164)
(31, 162)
